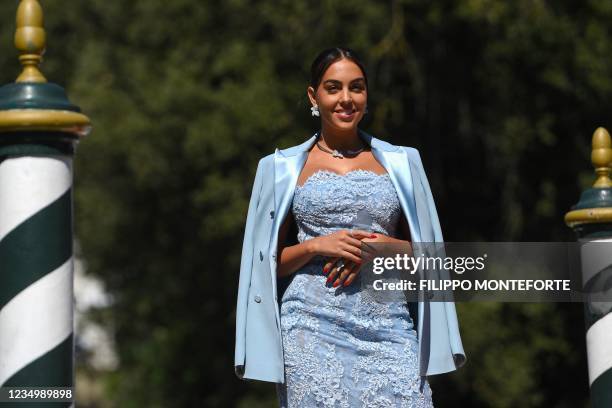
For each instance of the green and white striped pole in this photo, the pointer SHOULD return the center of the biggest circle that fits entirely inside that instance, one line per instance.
(591, 218)
(39, 128)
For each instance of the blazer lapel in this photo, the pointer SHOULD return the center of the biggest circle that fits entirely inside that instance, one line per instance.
(288, 164)
(398, 166)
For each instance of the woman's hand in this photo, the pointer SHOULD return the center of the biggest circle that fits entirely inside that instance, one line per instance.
(346, 272)
(340, 244)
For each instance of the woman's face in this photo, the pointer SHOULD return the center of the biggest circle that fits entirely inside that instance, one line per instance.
(341, 96)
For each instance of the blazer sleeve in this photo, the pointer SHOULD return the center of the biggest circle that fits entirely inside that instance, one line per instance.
(456, 344)
(433, 213)
(246, 263)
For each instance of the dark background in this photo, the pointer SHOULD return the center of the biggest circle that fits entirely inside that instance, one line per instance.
(500, 97)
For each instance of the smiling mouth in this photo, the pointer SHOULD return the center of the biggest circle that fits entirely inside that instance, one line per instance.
(345, 114)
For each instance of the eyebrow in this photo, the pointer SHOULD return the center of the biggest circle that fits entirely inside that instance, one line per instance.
(335, 81)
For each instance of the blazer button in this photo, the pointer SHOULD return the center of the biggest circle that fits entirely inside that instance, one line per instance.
(257, 299)
(260, 256)
(272, 214)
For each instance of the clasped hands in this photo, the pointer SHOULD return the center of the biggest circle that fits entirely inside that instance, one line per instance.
(346, 253)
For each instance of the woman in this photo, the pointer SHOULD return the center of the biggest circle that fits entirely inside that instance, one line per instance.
(331, 344)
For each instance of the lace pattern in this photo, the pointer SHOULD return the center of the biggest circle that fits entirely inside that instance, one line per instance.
(328, 201)
(342, 347)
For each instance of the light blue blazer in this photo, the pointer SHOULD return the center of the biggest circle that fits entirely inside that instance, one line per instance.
(259, 351)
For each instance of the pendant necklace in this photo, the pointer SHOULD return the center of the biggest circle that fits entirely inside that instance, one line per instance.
(340, 154)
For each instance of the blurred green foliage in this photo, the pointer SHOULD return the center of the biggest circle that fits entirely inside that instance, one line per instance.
(500, 97)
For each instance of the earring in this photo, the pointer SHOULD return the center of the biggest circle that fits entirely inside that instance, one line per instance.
(314, 110)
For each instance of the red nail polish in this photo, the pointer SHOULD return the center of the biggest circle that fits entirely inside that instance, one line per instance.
(346, 283)
(336, 283)
(373, 236)
(329, 280)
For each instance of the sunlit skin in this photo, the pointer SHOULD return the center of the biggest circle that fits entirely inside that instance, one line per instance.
(342, 99)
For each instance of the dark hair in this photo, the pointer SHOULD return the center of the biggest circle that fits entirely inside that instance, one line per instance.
(328, 57)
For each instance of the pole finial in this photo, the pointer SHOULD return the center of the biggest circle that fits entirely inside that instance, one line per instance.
(30, 40)
(601, 157)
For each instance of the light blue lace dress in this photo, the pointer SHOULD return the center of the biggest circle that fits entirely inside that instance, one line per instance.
(342, 348)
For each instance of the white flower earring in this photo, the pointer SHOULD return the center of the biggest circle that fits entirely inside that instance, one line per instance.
(314, 110)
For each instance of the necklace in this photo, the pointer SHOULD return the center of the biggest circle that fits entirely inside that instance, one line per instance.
(338, 154)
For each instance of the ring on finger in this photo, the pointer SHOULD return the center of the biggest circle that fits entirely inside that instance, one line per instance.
(348, 269)
(340, 265)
